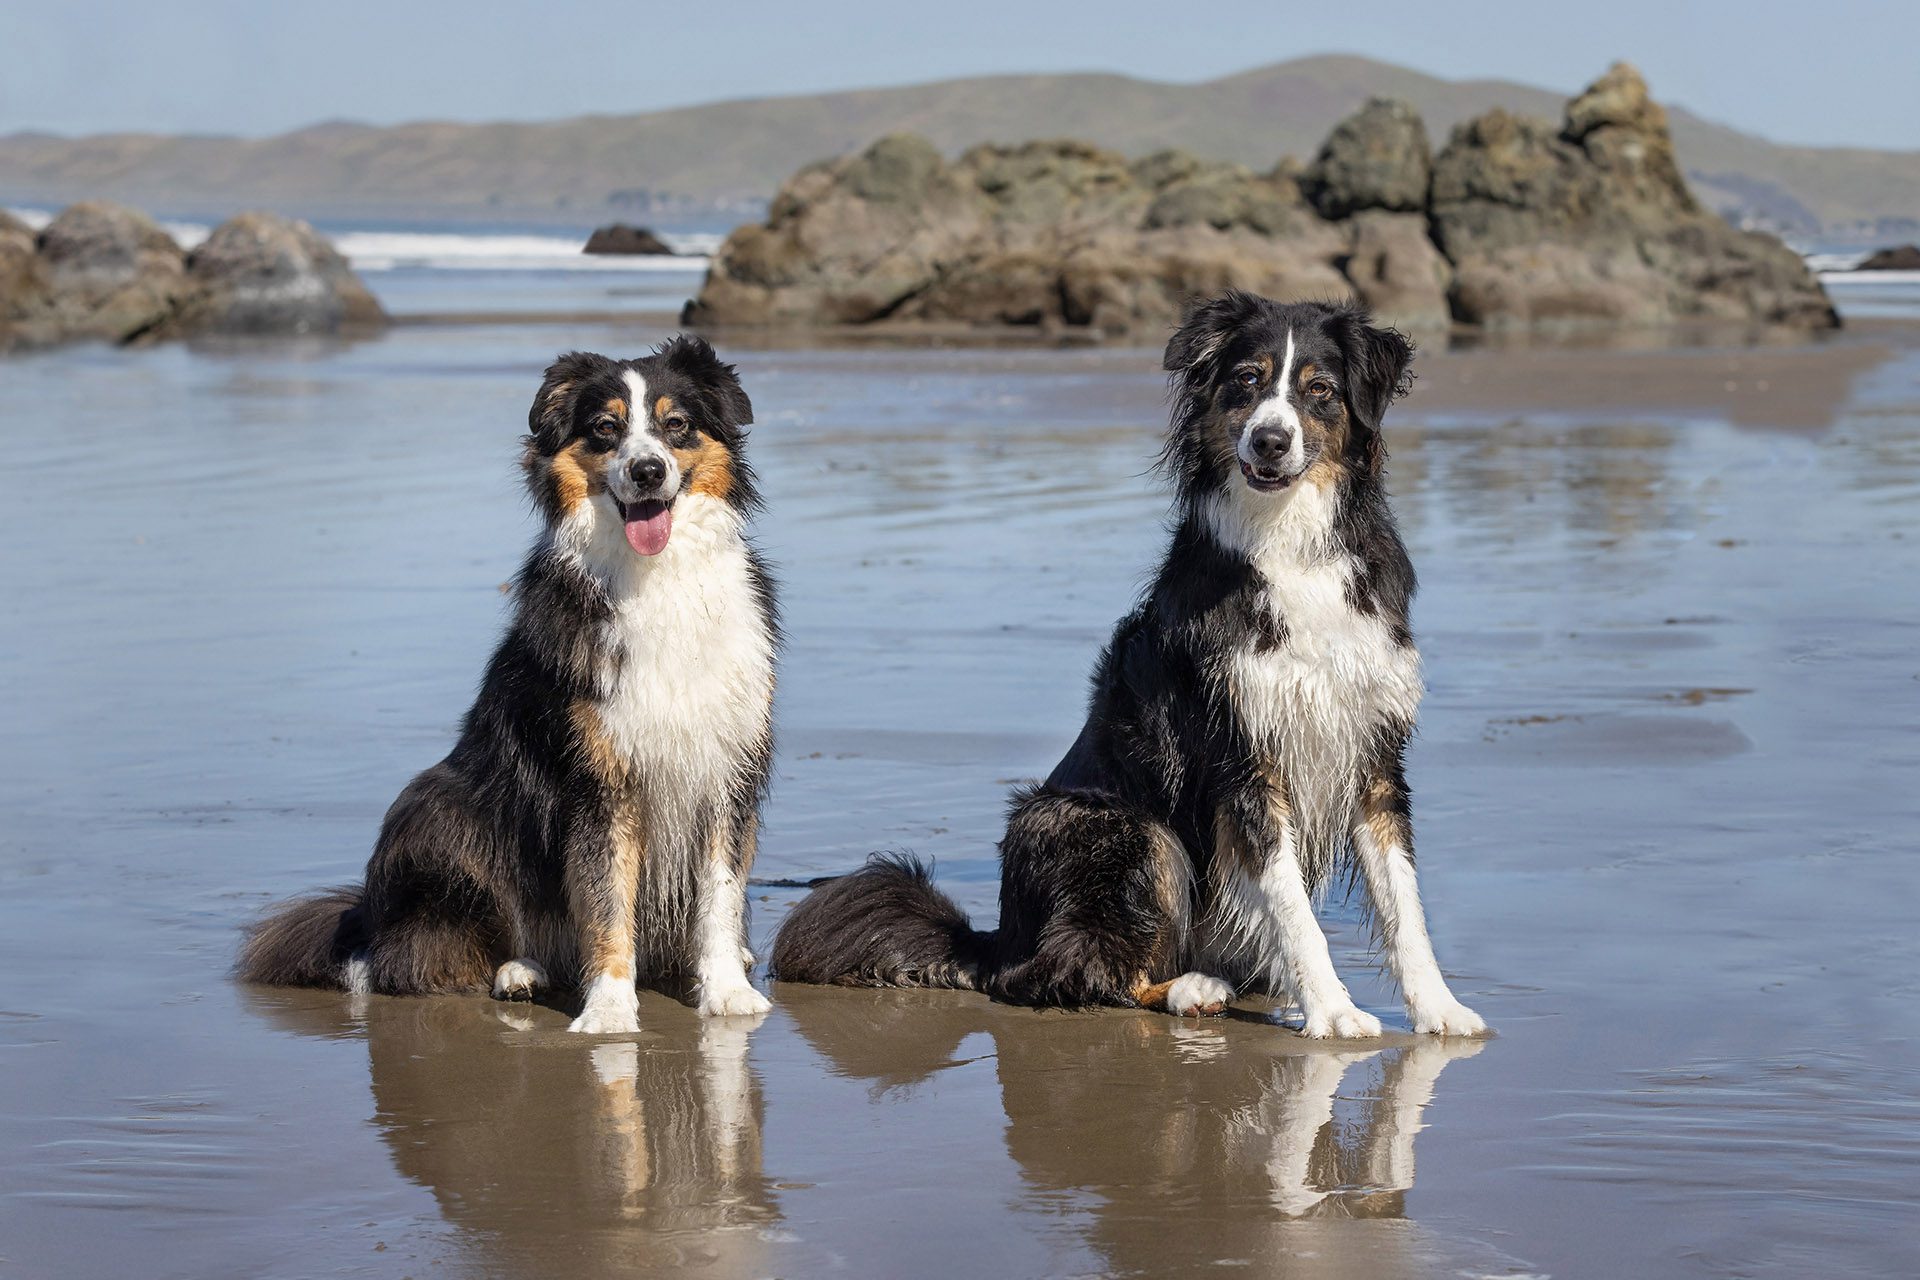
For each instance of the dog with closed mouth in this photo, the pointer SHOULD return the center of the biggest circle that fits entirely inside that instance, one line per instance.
(594, 823)
(1245, 737)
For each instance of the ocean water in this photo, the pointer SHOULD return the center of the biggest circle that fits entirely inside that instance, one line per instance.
(1663, 792)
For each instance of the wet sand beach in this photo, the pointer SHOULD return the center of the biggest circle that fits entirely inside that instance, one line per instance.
(1664, 799)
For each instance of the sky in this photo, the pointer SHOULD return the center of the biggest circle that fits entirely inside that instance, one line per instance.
(1842, 72)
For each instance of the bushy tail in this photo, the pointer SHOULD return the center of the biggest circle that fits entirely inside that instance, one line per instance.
(885, 925)
(306, 942)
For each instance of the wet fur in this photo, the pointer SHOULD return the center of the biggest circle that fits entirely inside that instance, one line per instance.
(598, 813)
(1246, 720)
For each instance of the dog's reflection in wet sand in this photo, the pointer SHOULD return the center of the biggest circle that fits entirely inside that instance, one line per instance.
(629, 1156)
(1191, 1143)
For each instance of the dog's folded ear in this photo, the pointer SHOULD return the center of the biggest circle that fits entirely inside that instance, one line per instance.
(550, 420)
(1379, 367)
(1205, 330)
(694, 357)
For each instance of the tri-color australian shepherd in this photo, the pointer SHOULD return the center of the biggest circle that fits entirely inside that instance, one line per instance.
(1245, 735)
(594, 824)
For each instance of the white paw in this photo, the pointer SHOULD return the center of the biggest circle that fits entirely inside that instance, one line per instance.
(1446, 1018)
(518, 980)
(1342, 1022)
(1197, 994)
(613, 1008)
(732, 1001)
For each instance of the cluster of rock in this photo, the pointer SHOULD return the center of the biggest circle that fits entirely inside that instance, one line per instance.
(1516, 223)
(622, 237)
(108, 272)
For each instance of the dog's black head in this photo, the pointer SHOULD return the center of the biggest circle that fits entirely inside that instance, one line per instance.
(639, 435)
(1269, 393)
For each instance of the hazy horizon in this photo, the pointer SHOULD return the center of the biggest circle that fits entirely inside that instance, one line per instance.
(230, 68)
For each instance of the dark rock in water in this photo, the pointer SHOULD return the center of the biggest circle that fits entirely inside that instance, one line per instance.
(619, 237)
(112, 271)
(1377, 158)
(1593, 223)
(1905, 257)
(260, 273)
(1517, 223)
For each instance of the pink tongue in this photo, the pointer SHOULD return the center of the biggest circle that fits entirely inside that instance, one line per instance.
(648, 526)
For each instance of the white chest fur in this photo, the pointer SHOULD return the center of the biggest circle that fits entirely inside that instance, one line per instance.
(1316, 701)
(687, 690)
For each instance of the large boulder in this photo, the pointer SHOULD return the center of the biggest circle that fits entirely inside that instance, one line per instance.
(1376, 158)
(845, 241)
(260, 273)
(1593, 223)
(112, 271)
(25, 292)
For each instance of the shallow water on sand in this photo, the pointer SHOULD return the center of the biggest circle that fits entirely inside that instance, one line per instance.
(1664, 794)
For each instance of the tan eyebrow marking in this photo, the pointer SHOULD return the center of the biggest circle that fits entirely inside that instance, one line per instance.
(617, 407)
(662, 407)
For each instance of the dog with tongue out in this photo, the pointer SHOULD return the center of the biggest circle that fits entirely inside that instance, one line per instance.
(594, 825)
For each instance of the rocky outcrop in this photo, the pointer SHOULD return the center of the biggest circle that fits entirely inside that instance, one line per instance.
(1904, 257)
(620, 237)
(1377, 158)
(1592, 223)
(108, 272)
(1518, 223)
(1056, 234)
(260, 273)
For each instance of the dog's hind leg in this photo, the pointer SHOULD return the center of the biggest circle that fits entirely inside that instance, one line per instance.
(1094, 908)
(1383, 839)
(721, 985)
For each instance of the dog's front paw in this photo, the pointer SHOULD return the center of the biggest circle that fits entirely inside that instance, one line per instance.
(1342, 1022)
(613, 1008)
(1199, 994)
(518, 980)
(738, 1000)
(1446, 1018)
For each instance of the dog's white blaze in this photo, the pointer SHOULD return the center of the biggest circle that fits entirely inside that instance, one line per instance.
(641, 443)
(1314, 702)
(1402, 925)
(690, 695)
(1278, 408)
(722, 986)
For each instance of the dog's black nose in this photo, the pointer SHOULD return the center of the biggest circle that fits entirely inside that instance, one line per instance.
(648, 473)
(1270, 444)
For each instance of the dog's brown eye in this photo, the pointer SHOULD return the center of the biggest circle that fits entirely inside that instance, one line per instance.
(675, 424)
(1249, 377)
(606, 428)
(1319, 388)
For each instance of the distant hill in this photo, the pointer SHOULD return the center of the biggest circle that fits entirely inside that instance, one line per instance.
(727, 155)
